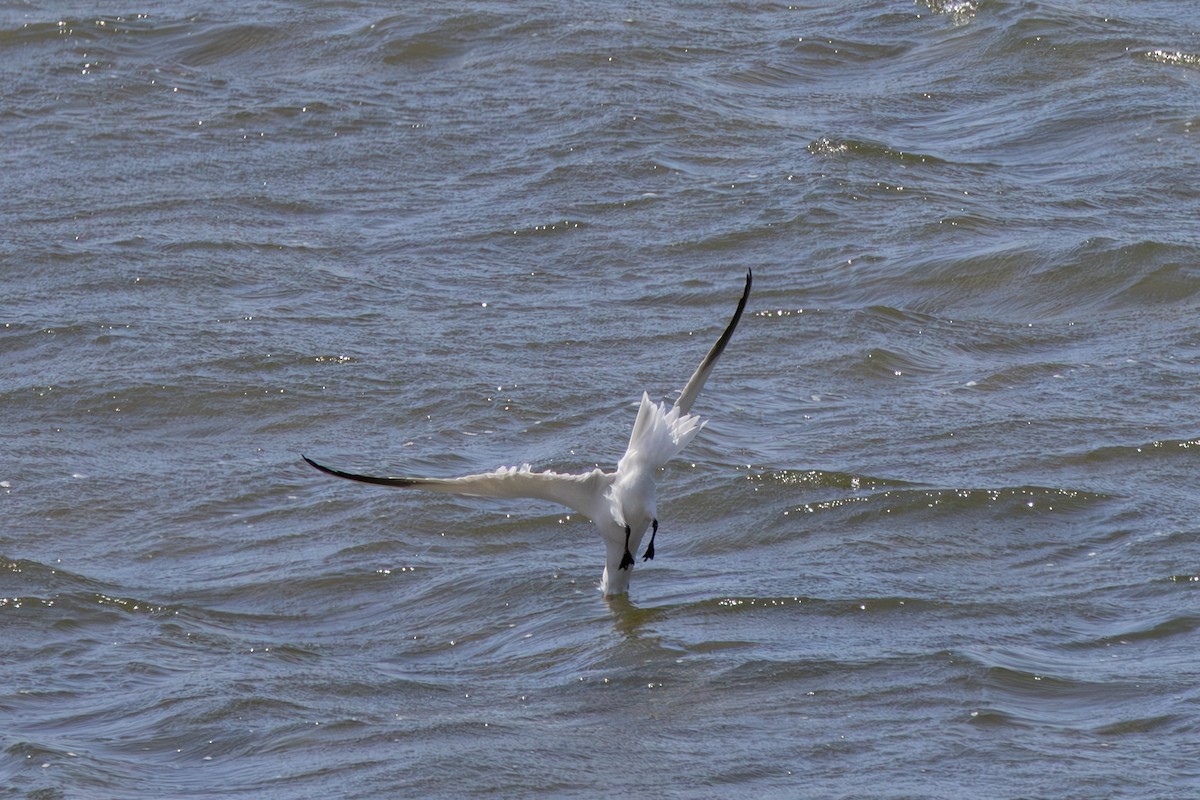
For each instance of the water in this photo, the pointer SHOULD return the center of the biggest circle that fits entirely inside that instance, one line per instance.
(938, 540)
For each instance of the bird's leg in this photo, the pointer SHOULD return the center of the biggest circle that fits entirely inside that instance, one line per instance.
(649, 554)
(627, 559)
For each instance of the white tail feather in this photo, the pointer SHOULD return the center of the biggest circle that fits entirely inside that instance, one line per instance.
(658, 435)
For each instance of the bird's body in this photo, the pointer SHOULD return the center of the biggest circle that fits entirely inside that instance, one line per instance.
(621, 504)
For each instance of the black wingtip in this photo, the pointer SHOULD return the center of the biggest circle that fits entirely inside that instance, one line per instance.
(353, 476)
(719, 347)
(692, 389)
(329, 470)
(314, 464)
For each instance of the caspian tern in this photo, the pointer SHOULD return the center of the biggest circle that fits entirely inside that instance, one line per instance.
(621, 504)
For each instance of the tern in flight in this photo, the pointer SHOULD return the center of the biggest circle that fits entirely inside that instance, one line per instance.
(621, 504)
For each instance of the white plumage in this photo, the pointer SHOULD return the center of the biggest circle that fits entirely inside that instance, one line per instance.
(621, 504)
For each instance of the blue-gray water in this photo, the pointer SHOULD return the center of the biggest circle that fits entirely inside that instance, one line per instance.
(940, 539)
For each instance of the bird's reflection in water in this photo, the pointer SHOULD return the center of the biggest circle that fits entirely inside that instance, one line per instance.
(629, 619)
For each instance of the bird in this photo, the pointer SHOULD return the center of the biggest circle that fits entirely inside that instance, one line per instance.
(620, 503)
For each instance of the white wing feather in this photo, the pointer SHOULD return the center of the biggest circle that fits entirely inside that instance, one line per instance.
(581, 492)
(658, 436)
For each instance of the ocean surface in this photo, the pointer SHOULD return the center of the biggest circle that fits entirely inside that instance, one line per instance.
(940, 538)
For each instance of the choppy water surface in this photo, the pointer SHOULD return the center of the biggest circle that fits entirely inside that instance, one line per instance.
(939, 540)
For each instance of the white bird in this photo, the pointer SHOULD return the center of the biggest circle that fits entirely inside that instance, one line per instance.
(620, 504)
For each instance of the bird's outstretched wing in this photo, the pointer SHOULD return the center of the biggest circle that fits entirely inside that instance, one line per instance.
(583, 492)
(659, 433)
(696, 382)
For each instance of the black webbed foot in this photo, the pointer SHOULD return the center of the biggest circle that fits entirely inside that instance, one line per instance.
(627, 559)
(649, 554)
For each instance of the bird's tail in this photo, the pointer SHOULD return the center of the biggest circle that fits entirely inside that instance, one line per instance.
(659, 434)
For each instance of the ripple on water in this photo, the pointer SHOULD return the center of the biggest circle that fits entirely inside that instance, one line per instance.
(1092, 691)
